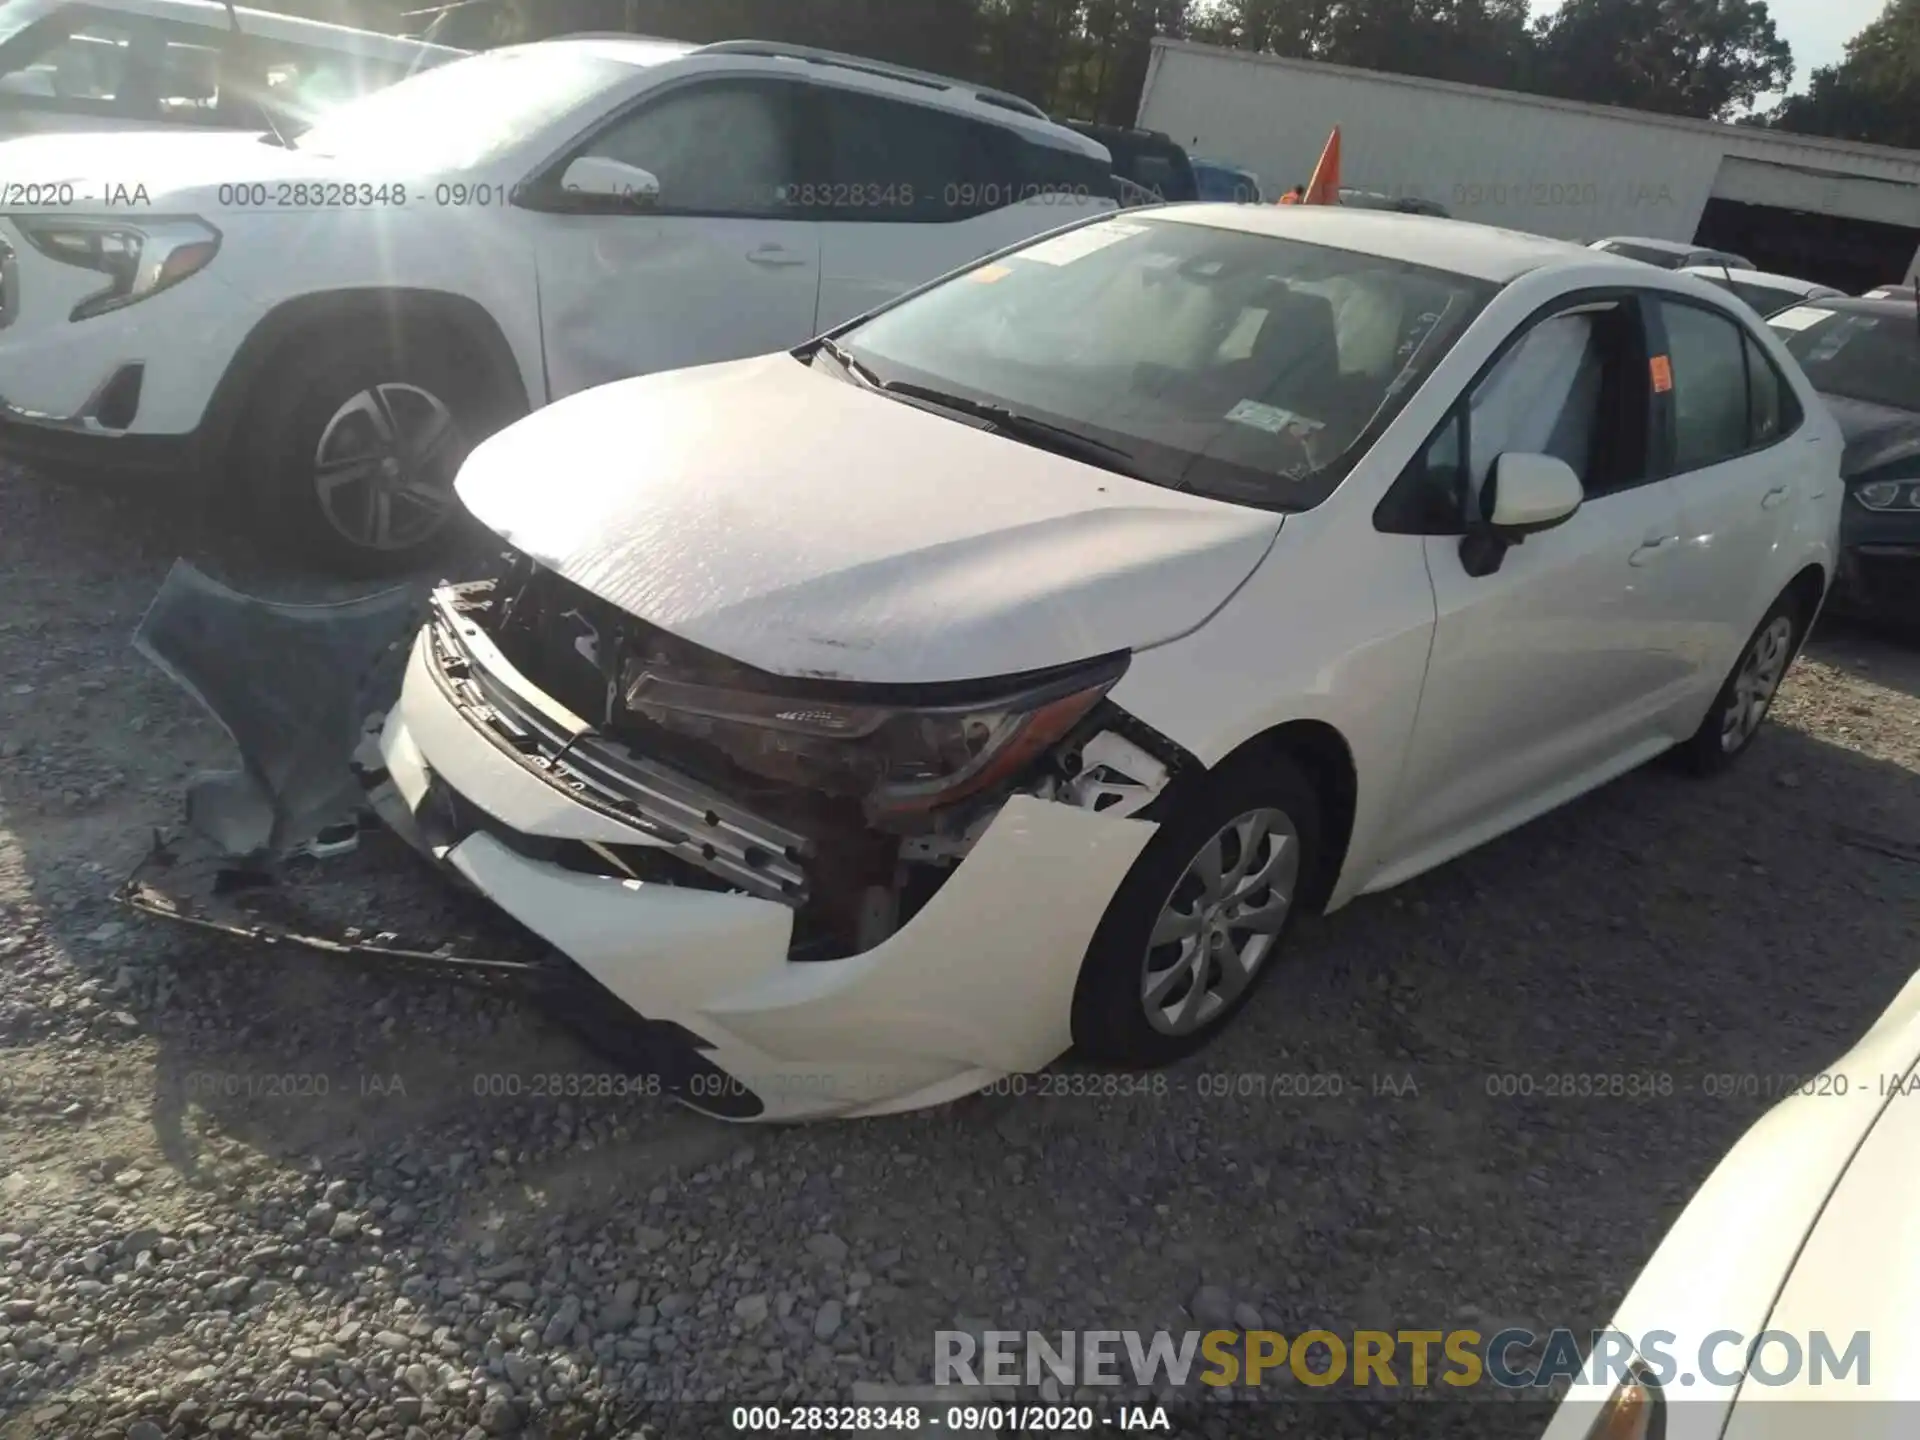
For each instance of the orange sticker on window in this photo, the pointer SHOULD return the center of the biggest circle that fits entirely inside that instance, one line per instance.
(1662, 369)
(991, 274)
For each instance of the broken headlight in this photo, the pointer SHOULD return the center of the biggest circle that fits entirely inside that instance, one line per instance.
(899, 760)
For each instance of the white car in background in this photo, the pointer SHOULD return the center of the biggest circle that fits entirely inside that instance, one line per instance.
(155, 64)
(1805, 1230)
(998, 674)
(1765, 292)
(329, 324)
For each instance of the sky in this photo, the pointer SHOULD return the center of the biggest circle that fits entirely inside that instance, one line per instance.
(1818, 30)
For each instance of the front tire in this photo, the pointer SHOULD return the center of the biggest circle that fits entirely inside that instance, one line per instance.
(351, 453)
(1201, 916)
(1734, 718)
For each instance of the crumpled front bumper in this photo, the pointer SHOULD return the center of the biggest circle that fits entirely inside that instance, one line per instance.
(977, 985)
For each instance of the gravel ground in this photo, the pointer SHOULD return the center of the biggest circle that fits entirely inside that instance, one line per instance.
(244, 1192)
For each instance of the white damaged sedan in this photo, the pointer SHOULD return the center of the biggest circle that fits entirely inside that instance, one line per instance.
(996, 676)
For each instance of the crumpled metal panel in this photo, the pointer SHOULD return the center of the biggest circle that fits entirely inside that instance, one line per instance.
(294, 685)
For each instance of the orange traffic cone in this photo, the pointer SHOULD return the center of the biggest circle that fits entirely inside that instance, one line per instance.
(1324, 188)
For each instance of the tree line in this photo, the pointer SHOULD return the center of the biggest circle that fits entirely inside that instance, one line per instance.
(1711, 59)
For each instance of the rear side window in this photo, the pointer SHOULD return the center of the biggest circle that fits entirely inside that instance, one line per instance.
(1773, 410)
(887, 160)
(1728, 398)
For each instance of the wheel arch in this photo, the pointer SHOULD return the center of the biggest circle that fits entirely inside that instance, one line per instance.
(1325, 757)
(1807, 589)
(387, 310)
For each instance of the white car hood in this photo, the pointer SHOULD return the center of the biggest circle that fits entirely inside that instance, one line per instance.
(807, 526)
(103, 165)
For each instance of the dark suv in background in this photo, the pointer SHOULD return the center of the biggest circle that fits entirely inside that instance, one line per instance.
(1145, 158)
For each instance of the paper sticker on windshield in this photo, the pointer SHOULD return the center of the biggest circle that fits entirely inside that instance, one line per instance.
(1271, 418)
(1078, 244)
(1662, 371)
(990, 274)
(1801, 317)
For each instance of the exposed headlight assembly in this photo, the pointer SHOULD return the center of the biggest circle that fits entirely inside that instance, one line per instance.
(139, 258)
(900, 761)
(1889, 494)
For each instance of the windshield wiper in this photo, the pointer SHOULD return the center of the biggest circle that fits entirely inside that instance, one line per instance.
(853, 367)
(1042, 434)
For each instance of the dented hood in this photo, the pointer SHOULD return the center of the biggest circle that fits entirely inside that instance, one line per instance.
(807, 526)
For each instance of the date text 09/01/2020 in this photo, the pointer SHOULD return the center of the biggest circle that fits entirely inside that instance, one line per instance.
(956, 1419)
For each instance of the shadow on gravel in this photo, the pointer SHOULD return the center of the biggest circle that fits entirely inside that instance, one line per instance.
(1476, 1101)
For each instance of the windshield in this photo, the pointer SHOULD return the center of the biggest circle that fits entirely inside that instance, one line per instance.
(1874, 358)
(464, 114)
(1245, 367)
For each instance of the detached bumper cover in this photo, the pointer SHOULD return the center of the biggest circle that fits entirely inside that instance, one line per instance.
(977, 985)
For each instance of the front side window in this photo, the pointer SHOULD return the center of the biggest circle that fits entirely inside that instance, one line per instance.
(1707, 356)
(1246, 367)
(721, 148)
(1856, 356)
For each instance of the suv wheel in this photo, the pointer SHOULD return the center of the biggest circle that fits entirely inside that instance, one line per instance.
(355, 451)
(1201, 917)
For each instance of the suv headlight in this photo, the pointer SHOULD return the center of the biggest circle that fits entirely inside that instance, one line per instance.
(138, 258)
(899, 760)
(1889, 494)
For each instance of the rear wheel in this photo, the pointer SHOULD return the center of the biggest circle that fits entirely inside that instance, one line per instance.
(1200, 918)
(1736, 714)
(352, 453)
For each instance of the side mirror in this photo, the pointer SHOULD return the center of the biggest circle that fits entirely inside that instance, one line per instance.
(609, 179)
(1523, 495)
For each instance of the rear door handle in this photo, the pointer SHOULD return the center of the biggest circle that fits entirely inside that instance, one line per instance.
(1651, 547)
(775, 256)
(1774, 496)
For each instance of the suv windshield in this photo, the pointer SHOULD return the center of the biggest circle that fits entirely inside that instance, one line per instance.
(1241, 366)
(1874, 358)
(463, 114)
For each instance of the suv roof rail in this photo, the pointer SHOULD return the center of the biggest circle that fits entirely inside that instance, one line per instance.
(777, 49)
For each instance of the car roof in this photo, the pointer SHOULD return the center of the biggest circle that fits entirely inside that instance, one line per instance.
(1757, 277)
(1665, 247)
(1902, 309)
(293, 29)
(1484, 252)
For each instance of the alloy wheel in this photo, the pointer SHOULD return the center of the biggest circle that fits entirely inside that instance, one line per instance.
(1755, 682)
(384, 467)
(1221, 921)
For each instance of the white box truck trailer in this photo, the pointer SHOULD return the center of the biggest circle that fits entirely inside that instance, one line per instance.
(1837, 212)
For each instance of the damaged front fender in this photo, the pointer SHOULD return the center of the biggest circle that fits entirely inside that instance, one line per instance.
(294, 686)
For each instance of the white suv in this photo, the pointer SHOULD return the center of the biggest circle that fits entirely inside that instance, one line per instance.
(328, 324)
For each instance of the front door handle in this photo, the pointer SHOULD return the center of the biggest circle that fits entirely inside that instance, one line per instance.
(1774, 497)
(1651, 547)
(775, 255)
